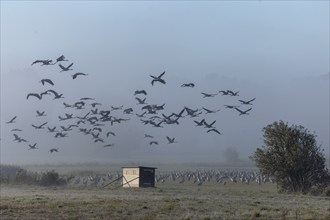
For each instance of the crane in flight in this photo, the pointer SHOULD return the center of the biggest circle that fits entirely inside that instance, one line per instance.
(247, 102)
(140, 92)
(40, 126)
(37, 95)
(53, 150)
(33, 147)
(191, 85)
(243, 112)
(158, 79)
(78, 74)
(206, 95)
(44, 62)
(65, 68)
(43, 81)
(171, 140)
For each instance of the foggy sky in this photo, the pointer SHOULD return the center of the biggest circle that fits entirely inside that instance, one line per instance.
(277, 52)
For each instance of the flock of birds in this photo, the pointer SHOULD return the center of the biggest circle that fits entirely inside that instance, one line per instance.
(98, 123)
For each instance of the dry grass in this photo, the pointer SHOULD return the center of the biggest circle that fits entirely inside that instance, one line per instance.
(169, 200)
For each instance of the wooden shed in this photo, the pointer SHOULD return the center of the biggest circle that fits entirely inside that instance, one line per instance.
(139, 176)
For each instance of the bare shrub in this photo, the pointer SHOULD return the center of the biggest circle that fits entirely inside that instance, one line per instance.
(51, 178)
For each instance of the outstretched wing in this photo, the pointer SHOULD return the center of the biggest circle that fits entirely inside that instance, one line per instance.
(69, 66)
(239, 110)
(160, 76)
(47, 81)
(33, 94)
(62, 67)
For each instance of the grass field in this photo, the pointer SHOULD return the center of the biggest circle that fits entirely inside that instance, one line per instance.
(168, 200)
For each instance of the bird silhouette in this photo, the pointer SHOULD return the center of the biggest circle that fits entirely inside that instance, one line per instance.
(208, 111)
(214, 130)
(65, 68)
(117, 108)
(53, 150)
(206, 95)
(78, 74)
(209, 125)
(170, 140)
(19, 139)
(61, 58)
(11, 120)
(200, 123)
(148, 136)
(243, 112)
(140, 92)
(153, 142)
(44, 62)
(109, 145)
(191, 85)
(158, 79)
(231, 106)
(247, 102)
(40, 126)
(128, 111)
(110, 132)
(51, 129)
(39, 114)
(233, 93)
(224, 92)
(33, 147)
(141, 101)
(67, 105)
(35, 95)
(86, 98)
(95, 104)
(43, 81)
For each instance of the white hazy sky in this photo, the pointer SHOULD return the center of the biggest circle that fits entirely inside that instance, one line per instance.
(275, 51)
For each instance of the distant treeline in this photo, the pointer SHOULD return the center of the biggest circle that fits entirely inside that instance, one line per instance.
(13, 174)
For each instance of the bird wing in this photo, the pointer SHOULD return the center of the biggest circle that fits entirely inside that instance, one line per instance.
(207, 110)
(12, 120)
(139, 100)
(160, 76)
(33, 94)
(248, 110)
(52, 91)
(205, 94)
(78, 74)
(43, 124)
(69, 66)
(48, 81)
(62, 67)
(237, 109)
(252, 100)
(60, 58)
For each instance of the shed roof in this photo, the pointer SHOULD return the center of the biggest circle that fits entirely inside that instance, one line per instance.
(139, 167)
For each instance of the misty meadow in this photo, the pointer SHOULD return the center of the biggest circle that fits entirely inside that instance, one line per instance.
(164, 110)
